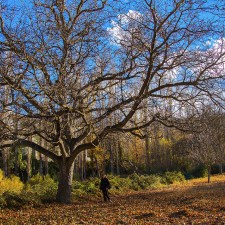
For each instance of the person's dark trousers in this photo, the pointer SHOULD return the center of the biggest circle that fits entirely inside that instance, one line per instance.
(105, 195)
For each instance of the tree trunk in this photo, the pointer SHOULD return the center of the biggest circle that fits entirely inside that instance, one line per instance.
(147, 141)
(103, 166)
(46, 166)
(209, 174)
(5, 159)
(45, 160)
(120, 154)
(41, 165)
(97, 168)
(111, 153)
(41, 142)
(34, 162)
(117, 159)
(147, 152)
(16, 162)
(221, 168)
(84, 165)
(28, 167)
(92, 164)
(65, 183)
(81, 171)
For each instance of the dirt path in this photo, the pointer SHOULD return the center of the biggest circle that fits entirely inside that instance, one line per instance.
(199, 204)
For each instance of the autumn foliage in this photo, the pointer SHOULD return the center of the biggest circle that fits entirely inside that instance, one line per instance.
(192, 202)
(12, 184)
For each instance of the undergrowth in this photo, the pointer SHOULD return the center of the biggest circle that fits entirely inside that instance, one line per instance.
(42, 189)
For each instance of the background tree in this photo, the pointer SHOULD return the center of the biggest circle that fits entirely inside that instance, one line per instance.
(208, 146)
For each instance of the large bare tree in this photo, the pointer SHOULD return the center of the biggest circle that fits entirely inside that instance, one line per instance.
(72, 81)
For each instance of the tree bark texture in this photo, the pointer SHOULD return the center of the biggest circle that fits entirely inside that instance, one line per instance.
(65, 183)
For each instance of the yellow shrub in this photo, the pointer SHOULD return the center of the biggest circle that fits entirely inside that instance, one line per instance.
(12, 184)
(1, 175)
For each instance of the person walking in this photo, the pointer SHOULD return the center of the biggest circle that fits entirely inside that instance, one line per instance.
(104, 187)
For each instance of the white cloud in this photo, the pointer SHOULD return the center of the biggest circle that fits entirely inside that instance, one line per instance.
(122, 28)
(129, 17)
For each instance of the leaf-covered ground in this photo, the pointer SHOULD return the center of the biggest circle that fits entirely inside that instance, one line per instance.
(195, 203)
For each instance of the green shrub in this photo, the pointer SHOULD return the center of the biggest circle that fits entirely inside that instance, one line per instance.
(117, 183)
(144, 181)
(138, 182)
(132, 182)
(76, 193)
(200, 171)
(3, 203)
(77, 185)
(94, 180)
(122, 184)
(90, 187)
(134, 186)
(153, 181)
(13, 200)
(173, 177)
(39, 179)
(44, 187)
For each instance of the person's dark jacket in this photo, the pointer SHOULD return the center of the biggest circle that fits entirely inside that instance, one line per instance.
(105, 184)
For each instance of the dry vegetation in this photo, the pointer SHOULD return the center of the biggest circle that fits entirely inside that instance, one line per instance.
(194, 202)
